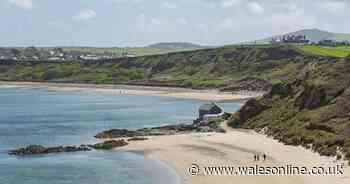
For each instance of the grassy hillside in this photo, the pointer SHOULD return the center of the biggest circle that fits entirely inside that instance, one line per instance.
(138, 51)
(176, 46)
(312, 109)
(340, 51)
(154, 49)
(228, 68)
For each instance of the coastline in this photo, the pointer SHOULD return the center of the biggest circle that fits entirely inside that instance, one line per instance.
(235, 148)
(182, 93)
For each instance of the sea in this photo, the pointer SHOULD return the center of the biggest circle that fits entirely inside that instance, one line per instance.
(51, 118)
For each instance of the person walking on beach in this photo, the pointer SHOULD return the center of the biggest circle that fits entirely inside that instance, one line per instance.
(257, 157)
(254, 157)
(264, 156)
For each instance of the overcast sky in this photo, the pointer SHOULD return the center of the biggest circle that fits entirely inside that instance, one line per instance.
(142, 22)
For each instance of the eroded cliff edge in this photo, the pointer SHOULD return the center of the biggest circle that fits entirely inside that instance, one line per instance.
(312, 109)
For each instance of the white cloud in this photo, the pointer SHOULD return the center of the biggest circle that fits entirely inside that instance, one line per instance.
(229, 3)
(201, 26)
(24, 4)
(226, 23)
(255, 7)
(334, 7)
(169, 5)
(182, 21)
(156, 21)
(127, 1)
(85, 15)
(141, 21)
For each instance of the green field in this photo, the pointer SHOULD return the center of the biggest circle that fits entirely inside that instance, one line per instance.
(341, 51)
(137, 51)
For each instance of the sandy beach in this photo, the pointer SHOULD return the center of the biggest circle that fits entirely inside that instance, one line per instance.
(184, 93)
(235, 148)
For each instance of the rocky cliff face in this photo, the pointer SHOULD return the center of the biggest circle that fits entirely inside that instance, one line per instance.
(312, 110)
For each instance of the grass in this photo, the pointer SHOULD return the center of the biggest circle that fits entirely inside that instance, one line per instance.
(341, 51)
(205, 68)
(138, 51)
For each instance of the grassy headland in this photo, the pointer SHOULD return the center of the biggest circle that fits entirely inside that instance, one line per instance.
(230, 68)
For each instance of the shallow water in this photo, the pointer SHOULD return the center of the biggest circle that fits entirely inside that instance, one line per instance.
(39, 116)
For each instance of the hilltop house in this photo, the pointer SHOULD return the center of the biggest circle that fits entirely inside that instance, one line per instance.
(297, 39)
(210, 111)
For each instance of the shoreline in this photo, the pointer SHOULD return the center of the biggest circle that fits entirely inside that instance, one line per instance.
(174, 92)
(234, 148)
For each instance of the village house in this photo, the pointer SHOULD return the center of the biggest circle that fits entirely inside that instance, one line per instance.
(296, 39)
(209, 112)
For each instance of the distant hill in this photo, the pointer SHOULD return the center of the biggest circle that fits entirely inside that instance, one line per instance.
(176, 46)
(154, 49)
(314, 35)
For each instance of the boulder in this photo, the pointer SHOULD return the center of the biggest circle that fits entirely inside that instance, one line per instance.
(108, 145)
(137, 139)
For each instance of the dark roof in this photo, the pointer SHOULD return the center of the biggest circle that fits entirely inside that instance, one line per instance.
(208, 106)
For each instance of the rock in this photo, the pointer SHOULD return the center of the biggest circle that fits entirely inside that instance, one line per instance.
(138, 139)
(250, 109)
(204, 129)
(116, 133)
(279, 89)
(30, 150)
(311, 97)
(318, 126)
(108, 145)
(249, 84)
(160, 131)
(38, 149)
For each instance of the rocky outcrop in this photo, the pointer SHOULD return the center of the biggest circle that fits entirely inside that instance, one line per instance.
(249, 84)
(41, 150)
(279, 89)
(137, 139)
(311, 97)
(250, 109)
(161, 131)
(318, 126)
(108, 145)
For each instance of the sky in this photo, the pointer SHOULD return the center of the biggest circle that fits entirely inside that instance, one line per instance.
(112, 23)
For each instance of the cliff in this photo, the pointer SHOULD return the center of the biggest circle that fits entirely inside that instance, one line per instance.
(312, 110)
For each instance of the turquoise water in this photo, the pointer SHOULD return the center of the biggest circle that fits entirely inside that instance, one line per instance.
(39, 116)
